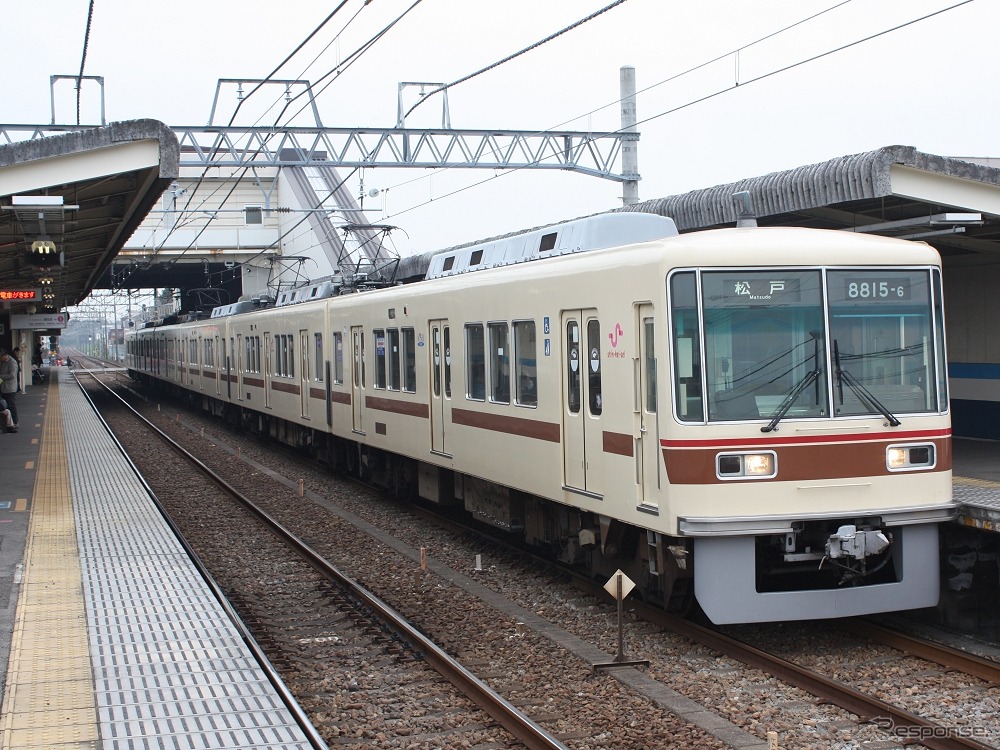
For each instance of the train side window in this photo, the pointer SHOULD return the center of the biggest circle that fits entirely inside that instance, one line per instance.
(392, 353)
(499, 363)
(359, 359)
(526, 364)
(594, 367)
(338, 358)
(573, 386)
(436, 364)
(649, 364)
(318, 343)
(475, 362)
(408, 356)
(447, 362)
(290, 367)
(379, 335)
(686, 335)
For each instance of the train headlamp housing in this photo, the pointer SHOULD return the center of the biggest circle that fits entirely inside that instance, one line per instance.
(910, 457)
(757, 465)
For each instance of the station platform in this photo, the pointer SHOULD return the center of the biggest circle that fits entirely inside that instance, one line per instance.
(110, 636)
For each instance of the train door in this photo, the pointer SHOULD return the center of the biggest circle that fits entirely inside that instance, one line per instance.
(583, 403)
(647, 448)
(304, 371)
(440, 382)
(267, 371)
(358, 377)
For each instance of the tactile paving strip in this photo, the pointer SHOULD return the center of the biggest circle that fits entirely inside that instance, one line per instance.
(169, 668)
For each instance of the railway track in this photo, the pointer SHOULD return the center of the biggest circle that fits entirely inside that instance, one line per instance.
(314, 610)
(896, 723)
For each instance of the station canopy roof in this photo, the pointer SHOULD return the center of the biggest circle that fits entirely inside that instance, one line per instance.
(897, 191)
(69, 202)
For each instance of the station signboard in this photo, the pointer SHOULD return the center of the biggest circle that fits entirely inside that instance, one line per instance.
(38, 322)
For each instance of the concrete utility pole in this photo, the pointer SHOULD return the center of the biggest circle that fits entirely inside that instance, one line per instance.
(630, 138)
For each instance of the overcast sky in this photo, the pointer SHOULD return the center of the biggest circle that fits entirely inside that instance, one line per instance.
(931, 84)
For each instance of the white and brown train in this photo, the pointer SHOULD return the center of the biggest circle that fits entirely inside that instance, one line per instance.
(754, 416)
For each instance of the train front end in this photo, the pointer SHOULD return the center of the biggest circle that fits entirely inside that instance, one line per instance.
(809, 458)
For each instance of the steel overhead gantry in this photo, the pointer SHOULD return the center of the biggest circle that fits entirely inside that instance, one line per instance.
(593, 154)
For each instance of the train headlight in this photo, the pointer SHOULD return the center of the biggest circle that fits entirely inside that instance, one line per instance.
(910, 457)
(746, 465)
(759, 464)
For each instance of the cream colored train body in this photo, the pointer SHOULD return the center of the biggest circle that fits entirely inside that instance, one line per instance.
(754, 416)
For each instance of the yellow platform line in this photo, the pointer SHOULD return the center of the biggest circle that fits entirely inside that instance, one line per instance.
(972, 482)
(49, 698)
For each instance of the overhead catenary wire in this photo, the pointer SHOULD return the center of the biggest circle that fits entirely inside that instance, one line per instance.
(714, 94)
(515, 55)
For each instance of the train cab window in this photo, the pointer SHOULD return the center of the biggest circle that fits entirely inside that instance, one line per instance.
(318, 348)
(338, 358)
(596, 400)
(499, 363)
(573, 385)
(882, 339)
(408, 358)
(475, 362)
(686, 338)
(380, 374)
(526, 371)
(764, 344)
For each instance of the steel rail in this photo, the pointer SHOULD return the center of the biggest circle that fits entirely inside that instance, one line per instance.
(907, 726)
(503, 712)
(953, 658)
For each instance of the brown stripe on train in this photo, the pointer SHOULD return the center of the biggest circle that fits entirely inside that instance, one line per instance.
(529, 428)
(409, 408)
(619, 444)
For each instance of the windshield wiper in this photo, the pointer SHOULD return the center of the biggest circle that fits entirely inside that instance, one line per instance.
(811, 377)
(864, 395)
(790, 399)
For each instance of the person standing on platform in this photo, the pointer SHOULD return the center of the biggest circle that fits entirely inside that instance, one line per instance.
(8, 382)
(16, 354)
(5, 418)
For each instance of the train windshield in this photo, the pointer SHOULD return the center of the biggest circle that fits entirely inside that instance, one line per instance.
(784, 344)
(882, 332)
